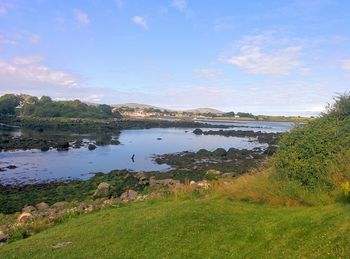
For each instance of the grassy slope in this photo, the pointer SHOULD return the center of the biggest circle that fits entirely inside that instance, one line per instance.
(195, 228)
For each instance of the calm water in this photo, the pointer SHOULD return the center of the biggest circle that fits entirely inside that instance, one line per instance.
(37, 166)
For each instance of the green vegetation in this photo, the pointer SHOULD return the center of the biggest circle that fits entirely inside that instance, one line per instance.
(296, 206)
(284, 118)
(45, 107)
(195, 228)
(14, 199)
(8, 104)
(317, 154)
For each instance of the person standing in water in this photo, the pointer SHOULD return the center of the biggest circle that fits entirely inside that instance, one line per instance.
(133, 158)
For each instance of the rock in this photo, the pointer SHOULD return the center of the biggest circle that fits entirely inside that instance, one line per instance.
(115, 142)
(3, 237)
(25, 217)
(203, 152)
(11, 167)
(232, 153)
(128, 196)
(50, 212)
(4, 228)
(220, 152)
(103, 191)
(227, 175)
(159, 138)
(140, 175)
(29, 209)
(198, 132)
(91, 147)
(171, 183)
(193, 183)
(61, 244)
(60, 204)
(142, 178)
(62, 146)
(203, 184)
(152, 181)
(42, 206)
(45, 148)
(81, 207)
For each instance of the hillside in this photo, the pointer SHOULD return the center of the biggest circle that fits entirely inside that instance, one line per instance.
(195, 228)
(138, 106)
(205, 110)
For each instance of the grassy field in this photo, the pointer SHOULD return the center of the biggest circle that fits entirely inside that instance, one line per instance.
(195, 228)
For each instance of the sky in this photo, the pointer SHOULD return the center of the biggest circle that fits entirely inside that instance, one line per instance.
(273, 57)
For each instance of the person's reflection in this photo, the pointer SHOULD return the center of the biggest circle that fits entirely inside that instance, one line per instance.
(133, 158)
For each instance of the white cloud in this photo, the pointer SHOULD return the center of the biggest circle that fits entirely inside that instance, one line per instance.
(140, 21)
(266, 54)
(345, 65)
(81, 18)
(182, 6)
(5, 6)
(207, 73)
(29, 72)
(7, 42)
(35, 39)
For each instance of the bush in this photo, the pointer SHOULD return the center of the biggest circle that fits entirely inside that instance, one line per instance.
(311, 154)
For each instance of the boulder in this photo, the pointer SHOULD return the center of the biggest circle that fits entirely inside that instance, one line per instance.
(61, 244)
(203, 184)
(25, 217)
(198, 132)
(219, 152)
(142, 178)
(115, 142)
(60, 204)
(171, 183)
(152, 181)
(203, 152)
(29, 209)
(45, 148)
(11, 167)
(103, 191)
(232, 153)
(128, 196)
(227, 175)
(42, 206)
(62, 146)
(92, 147)
(3, 237)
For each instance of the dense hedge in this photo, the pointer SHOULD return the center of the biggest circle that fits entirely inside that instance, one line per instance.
(311, 154)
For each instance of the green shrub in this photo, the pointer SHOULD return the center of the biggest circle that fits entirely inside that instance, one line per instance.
(309, 152)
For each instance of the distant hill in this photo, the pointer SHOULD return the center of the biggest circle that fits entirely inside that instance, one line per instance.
(138, 106)
(145, 106)
(205, 110)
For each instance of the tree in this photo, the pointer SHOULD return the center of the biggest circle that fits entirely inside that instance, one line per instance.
(8, 104)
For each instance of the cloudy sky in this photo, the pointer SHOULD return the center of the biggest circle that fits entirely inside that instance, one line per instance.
(266, 57)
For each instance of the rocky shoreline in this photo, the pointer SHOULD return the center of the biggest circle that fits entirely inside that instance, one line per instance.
(261, 137)
(30, 219)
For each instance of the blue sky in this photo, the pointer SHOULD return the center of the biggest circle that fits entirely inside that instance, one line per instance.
(266, 57)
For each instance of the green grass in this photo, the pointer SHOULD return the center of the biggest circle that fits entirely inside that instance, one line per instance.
(195, 228)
